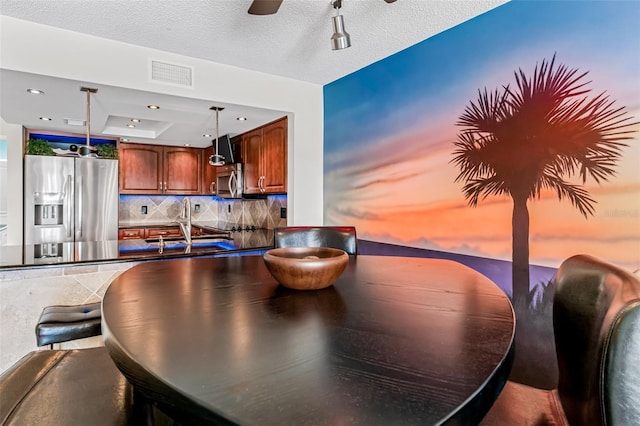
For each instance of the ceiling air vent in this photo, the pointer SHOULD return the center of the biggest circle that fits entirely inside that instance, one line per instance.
(74, 122)
(163, 72)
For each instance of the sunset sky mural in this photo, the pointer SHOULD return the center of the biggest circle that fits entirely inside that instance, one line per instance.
(390, 128)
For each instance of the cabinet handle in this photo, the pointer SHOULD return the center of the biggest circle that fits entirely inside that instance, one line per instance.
(160, 186)
(211, 186)
(261, 184)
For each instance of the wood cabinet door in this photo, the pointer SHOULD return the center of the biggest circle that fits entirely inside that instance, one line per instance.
(274, 157)
(208, 173)
(251, 155)
(182, 170)
(140, 169)
(130, 233)
(164, 231)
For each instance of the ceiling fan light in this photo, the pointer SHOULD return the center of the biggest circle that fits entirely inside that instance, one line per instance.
(340, 38)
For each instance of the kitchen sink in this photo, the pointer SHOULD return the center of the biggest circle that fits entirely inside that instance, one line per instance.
(195, 239)
(205, 244)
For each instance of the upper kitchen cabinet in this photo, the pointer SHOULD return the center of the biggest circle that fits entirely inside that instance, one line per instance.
(141, 169)
(252, 172)
(182, 170)
(264, 153)
(154, 169)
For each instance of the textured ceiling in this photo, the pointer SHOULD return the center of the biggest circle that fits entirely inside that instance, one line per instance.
(293, 43)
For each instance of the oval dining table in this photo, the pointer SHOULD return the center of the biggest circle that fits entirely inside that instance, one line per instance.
(394, 341)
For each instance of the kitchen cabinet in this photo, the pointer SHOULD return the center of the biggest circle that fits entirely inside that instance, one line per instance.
(164, 231)
(160, 231)
(141, 169)
(183, 170)
(153, 232)
(130, 233)
(251, 173)
(155, 169)
(264, 153)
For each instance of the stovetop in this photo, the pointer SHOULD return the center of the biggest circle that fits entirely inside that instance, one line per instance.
(235, 227)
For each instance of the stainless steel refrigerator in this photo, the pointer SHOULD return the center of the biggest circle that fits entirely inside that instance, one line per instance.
(68, 200)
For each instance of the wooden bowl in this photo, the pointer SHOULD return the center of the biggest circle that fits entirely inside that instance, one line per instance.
(306, 268)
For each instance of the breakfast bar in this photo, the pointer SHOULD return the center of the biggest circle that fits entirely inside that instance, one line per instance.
(214, 242)
(393, 341)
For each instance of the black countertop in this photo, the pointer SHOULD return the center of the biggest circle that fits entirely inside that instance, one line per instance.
(135, 249)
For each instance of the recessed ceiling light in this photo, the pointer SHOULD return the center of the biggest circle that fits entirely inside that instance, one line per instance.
(45, 118)
(153, 107)
(241, 118)
(206, 135)
(135, 120)
(124, 140)
(187, 144)
(131, 126)
(35, 91)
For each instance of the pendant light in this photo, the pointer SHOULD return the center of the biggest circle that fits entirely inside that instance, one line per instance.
(216, 159)
(340, 38)
(87, 151)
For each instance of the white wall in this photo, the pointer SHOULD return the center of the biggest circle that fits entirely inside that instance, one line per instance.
(12, 134)
(39, 49)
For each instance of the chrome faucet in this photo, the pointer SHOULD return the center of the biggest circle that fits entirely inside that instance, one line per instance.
(185, 225)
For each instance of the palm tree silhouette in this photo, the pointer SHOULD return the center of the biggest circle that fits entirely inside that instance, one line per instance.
(523, 141)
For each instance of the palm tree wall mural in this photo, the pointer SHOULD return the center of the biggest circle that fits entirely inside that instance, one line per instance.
(536, 136)
(390, 129)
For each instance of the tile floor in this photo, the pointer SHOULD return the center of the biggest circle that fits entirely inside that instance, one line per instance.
(25, 292)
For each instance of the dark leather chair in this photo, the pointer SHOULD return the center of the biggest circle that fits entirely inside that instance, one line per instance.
(596, 322)
(68, 387)
(340, 237)
(61, 323)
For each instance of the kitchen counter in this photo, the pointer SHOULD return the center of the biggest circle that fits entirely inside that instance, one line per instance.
(116, 250)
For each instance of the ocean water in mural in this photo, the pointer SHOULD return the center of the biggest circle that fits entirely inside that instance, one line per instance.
(390, 130)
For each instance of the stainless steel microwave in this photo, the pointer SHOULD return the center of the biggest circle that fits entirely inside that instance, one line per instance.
(229, 183)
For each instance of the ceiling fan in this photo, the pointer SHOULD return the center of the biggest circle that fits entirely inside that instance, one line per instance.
(269, 7)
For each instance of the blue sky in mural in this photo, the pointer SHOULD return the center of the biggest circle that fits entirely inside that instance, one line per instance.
(389, 130)
(451, 69)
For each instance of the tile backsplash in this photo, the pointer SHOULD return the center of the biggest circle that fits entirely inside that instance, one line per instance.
(262, 213)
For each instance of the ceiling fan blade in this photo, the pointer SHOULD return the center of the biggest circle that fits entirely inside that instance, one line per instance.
(264, 7)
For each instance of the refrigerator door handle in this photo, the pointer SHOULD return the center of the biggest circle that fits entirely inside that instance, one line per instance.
(69, 198)
(79, 207)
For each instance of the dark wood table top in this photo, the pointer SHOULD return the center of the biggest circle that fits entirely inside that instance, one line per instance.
(394, 341)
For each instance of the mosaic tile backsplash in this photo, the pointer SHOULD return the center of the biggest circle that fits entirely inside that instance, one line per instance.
(263, 213)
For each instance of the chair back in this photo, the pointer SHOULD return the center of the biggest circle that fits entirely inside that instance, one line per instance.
(340, 237)
(596, 321)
